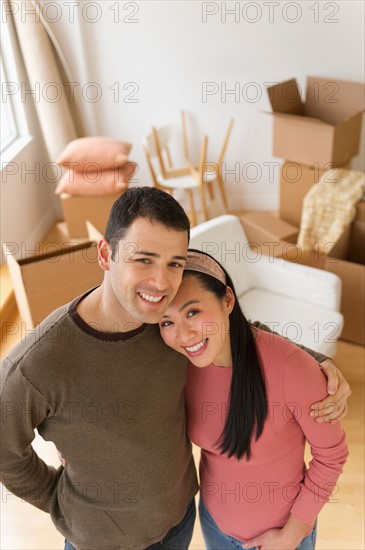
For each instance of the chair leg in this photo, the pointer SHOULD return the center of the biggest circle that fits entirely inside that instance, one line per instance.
(192, 207)
(168, 190)
(210, 190)
(222, 190)
(204, 204)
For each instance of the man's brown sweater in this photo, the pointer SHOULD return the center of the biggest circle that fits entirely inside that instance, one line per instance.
(113, 404)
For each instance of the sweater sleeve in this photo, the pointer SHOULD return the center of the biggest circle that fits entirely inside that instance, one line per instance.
(319, 357)
(302, 382)
(23, 408)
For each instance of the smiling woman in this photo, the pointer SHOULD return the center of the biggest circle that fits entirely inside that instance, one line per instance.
(235, 375)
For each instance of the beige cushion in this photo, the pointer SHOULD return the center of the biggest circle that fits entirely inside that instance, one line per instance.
(106, 152)
(102, 182)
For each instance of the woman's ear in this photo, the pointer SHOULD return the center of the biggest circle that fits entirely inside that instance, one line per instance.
(229, 300)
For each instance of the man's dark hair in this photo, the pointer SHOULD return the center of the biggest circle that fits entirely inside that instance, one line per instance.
(144, 202)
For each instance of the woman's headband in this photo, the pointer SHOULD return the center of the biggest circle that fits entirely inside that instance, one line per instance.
(196, 261)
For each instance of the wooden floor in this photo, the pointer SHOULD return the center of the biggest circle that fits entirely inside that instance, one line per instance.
(341, 523)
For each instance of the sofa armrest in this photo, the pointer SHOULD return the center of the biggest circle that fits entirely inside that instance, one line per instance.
(303, 283)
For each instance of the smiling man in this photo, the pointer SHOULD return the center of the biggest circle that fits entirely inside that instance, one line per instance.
(96, 379)
(143, 270)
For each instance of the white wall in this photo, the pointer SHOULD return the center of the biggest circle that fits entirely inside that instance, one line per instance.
(170, 52)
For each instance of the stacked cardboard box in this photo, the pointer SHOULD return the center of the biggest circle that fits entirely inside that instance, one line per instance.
(318, 134)
(273, 237)
(296, 180)
(323, 129)
(79, 208)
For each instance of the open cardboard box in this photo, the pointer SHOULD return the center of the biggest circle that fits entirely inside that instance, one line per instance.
(296, 180)
(47, 281)
(79, 208)
(314, 257)
(274, 237)
(346, 258)
(324, 128)
(268, 234)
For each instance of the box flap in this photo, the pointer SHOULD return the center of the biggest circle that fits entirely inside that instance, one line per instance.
(57, 254)
(93, 233)
(262, 227)
(333, 100)
(301, 119)
(285, 98)
(19, 290)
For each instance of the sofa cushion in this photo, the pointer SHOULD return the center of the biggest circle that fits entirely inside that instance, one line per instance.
(318, 328)
(103, 182)
(106, 152)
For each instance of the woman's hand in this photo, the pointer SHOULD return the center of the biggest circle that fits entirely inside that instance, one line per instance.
(273, 539)
(289, 537)
(334, 407)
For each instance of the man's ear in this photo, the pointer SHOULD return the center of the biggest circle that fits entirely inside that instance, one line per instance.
(104, 254)
(229, 300)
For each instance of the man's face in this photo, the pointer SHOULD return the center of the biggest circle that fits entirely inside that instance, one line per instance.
(146, 271)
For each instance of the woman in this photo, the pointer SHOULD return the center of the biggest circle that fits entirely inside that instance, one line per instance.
(248, 396)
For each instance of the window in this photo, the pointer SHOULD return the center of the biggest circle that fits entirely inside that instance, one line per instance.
(14, 129)
(9, 132)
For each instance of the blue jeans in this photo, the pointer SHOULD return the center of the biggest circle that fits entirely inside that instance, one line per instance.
(178, 538)
(215, 539)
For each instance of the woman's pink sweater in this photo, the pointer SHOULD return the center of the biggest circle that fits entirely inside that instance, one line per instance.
(248, 498)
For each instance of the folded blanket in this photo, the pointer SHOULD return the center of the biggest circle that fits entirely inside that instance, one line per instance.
(329, 207)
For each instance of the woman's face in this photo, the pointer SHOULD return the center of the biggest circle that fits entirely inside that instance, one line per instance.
(196, 324)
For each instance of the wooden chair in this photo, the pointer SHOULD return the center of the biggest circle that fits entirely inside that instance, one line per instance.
(186, 178)
(212, 170)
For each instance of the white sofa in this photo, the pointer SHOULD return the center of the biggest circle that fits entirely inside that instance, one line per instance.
(299, 302)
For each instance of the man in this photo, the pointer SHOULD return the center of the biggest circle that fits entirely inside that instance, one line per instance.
(96, 379)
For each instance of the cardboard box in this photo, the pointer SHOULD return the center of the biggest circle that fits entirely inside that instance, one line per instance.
(314, 257)
(268, 234)
(325, 128)
(46, 281)
(345, 258)
(77, 209)
(349, 265)
(296, 180)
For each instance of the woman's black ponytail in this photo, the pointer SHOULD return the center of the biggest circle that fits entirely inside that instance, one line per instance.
(247, 407)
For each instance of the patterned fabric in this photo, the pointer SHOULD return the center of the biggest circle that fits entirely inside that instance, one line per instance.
(329, 207)
(204, 264)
